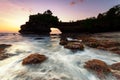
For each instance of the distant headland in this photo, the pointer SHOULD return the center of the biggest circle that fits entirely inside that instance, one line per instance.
(42, 22)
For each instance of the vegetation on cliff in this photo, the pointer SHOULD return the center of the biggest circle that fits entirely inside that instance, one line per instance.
(41, 23)
(108, 21)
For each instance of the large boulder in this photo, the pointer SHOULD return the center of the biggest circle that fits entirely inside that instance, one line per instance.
(74, 45)
(97, 66)
(34, 59)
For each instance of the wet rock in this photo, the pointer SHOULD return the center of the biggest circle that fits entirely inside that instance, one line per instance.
(3, 46)
(88, 39)
(38, 38)
(97, 66)
(2, 51)
(34, 59)
(3, 56)
(117, 52)
(54, 79)
(116, 74)
(100, 43)
(74, 45)
(101, 48)
(108, 43)
(115, 66)
(63, 41)
(92, 44)
(113, 48)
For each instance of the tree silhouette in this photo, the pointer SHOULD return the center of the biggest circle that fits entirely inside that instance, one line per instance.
(48, 12)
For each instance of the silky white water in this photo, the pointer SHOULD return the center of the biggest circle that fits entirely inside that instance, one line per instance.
(62, 64)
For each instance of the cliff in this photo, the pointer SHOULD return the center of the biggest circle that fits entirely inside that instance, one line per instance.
(104, 22)
(39, 23)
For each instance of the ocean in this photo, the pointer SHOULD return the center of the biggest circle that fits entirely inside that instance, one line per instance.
(62, 63)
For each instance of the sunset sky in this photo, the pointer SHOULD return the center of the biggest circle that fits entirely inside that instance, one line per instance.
(14, 13)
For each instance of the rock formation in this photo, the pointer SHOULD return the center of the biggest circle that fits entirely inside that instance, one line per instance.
(97, 65)
(34, 59)
(39, 23)
(104, 22)
(2, 51)
(101, 68)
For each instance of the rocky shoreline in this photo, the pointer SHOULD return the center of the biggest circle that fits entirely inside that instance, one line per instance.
(82, 40)
(79, 42)
(100, 68)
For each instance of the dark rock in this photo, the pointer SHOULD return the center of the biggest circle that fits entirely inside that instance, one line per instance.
(74, 45)
(101, 48)
(105, 22)
(39, 24)
(97, 66)
(115, 66)
(107, 45)
(117, 52)
(101, 68)
(116, 74)
(92, 44)
(34, 59)
(2, 51)
(38, 38)
(4, 45)
(63, 41)
(3, 56)
(114, 48)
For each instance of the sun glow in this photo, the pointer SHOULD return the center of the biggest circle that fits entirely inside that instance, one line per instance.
(8, 24)
(11, 25)
(55, 31)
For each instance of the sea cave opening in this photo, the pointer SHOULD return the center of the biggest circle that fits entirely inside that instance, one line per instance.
(55, 31)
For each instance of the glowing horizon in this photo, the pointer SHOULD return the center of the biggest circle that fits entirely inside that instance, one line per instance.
(55, 31)
(14, 13)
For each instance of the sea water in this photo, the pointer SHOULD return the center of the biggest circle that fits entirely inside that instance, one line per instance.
(62, 64)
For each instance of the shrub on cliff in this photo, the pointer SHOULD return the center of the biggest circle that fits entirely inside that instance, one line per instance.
(39, 23)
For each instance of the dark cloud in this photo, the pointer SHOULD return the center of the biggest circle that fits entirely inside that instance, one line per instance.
(74, 2)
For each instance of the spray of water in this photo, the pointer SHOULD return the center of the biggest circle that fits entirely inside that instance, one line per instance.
(62, 64)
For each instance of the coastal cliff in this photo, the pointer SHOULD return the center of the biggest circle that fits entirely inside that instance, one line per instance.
(104, 22)
(39, 23)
